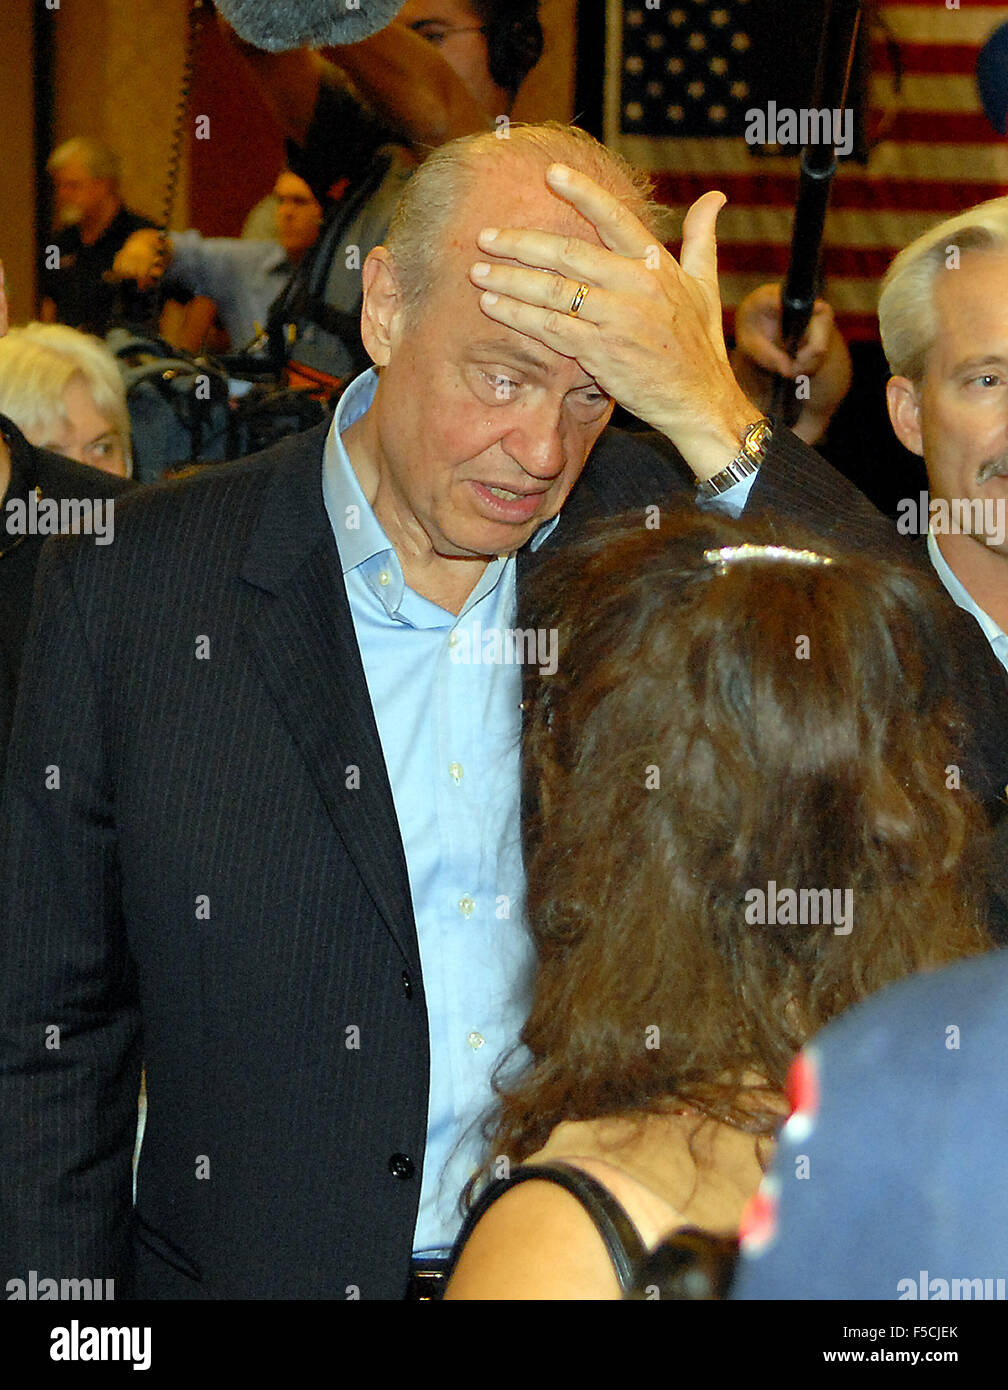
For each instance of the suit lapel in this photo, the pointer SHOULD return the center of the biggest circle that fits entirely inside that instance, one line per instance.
(303, 642)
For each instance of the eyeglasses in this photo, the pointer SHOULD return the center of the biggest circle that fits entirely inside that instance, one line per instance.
(437, 33)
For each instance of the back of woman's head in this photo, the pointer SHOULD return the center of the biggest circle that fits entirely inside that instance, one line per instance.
(722, 730)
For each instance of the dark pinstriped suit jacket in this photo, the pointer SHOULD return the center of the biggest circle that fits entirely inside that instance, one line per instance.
(205, 893)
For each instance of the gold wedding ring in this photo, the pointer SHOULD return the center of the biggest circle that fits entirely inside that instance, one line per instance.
(578, 299)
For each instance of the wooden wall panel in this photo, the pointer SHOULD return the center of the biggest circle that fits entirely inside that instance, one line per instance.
(17, 173)
(117, 75)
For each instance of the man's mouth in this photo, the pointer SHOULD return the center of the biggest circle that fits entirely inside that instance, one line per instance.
(508, 504)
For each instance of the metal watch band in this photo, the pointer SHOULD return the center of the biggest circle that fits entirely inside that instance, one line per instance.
(744, 464)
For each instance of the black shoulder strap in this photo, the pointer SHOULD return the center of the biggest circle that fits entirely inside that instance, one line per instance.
(621, 1238)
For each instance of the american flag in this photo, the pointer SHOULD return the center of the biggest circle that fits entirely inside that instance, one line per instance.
(688, 65)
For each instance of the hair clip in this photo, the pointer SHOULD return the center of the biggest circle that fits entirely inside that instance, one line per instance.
(728, 554)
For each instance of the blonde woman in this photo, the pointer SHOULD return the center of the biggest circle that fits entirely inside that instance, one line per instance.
(64, 392)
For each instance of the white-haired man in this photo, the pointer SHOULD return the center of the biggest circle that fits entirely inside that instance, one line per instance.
(943, 315)
(93, 225)
(944, 328)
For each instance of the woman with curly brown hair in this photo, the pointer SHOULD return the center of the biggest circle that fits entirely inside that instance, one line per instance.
(743, 817)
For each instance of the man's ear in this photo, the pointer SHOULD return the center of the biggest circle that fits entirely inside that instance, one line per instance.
(381, 307)
(903, 400)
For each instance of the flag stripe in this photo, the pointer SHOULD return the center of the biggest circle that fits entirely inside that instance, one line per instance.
(994, 7)
(940, 127)
(927, 92)
(755, 226)
(850, 298)
(926, 58)
(929, 198)
(967, 164)
(931, 22)
(771, 259)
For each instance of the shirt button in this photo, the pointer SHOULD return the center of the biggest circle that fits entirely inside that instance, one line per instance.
(401, 1166)
(467, 906)
(476, 1041)
(453, 638)
(384, 578)
(455, 772)
(407, 985)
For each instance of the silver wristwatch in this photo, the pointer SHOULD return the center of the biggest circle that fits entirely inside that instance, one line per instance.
(745, 462)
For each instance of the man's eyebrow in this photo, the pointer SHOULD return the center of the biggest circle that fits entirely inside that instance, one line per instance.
(990, 359)
(504, 353)
(105, 434)
(494, 347)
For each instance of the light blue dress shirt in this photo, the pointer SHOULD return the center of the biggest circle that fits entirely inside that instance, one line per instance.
(450, 728)
(243, 277)
(994, 635)
(733, 500)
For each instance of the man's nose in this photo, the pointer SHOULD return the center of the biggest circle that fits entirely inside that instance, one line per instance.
(535, 441)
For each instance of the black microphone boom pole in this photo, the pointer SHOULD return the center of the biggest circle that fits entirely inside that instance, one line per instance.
(818, 165)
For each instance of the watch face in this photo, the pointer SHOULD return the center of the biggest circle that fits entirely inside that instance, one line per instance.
(756, 439)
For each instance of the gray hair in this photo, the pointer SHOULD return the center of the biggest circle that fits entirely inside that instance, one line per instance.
(39, 361)
(98, 159)
(434, 194)
(908, 320)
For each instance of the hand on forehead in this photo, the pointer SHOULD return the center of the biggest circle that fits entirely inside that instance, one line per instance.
(524, 200)
(645, 327)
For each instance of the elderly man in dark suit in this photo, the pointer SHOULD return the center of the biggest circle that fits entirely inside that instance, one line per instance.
(261, 827)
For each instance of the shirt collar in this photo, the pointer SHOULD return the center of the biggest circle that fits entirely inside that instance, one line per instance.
(961, 595)
(360, 536)
(358, 532)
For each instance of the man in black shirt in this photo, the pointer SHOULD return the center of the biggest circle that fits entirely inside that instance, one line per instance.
(94, 225)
